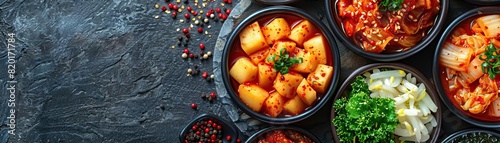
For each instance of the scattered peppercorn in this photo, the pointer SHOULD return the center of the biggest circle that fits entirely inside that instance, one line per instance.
(163, 8)
(224, 17)
(238, 140)
(175, 7)
(205, 56)
(217, 10)
(195, 72)
(186, 51)
(189, 8)
(200, 30)
(191, 55)
(213, 95)
(228, 137)
(204, 74)
(202, 46)
(193, 106)
(184, 55)
(209, 53)
(174, 14)
(195, 13)
(170, 6)
(185, 30)
(228, 11)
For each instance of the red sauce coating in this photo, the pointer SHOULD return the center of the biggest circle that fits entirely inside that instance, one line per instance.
(237, 52)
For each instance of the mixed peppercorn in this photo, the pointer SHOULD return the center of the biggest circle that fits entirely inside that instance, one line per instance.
(205, 130)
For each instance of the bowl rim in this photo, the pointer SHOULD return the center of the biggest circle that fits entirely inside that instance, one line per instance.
(333, 49)
(333, 21)
(227, 127)
(483, 2)
(435, 65)
(469, 130)
(272, 128)
(421, 78)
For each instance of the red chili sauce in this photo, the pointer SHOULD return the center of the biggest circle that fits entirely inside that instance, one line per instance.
(466, 25)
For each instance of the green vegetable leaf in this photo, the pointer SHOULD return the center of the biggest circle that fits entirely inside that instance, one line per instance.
(391, 5)
(283, 61)
(359, 85)
(360, 118)
(491, 62)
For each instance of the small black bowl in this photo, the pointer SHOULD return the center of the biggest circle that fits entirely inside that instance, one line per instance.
(335, 22)
(484, 2)
(270, 11)
(345, 88)
(228, 129)
(465, 132)
(436, 71)
(261, 134)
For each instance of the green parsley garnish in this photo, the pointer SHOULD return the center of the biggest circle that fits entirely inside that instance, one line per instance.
(283, 61)
(391, 5)
(360, 118)
(491, 64)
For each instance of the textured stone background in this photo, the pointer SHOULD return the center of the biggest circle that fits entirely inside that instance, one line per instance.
(104, 71)
(101, 71)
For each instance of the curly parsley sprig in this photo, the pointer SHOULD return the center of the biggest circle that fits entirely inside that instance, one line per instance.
(491, 64)
(391, 5)
(361, 118)
(283, 61)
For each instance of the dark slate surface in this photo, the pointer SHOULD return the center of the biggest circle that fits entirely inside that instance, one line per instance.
(101, 71)
(105, 71)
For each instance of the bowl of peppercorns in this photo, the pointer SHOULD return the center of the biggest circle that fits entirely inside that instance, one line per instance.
(209, 128)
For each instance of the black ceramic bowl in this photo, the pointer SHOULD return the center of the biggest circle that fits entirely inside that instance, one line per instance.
(261, 134)
(234, 39)
(484, 134)
(436, 67)
(345, 89)
(228, 129)
(276, 2)
(484, 2)
(335, 22)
